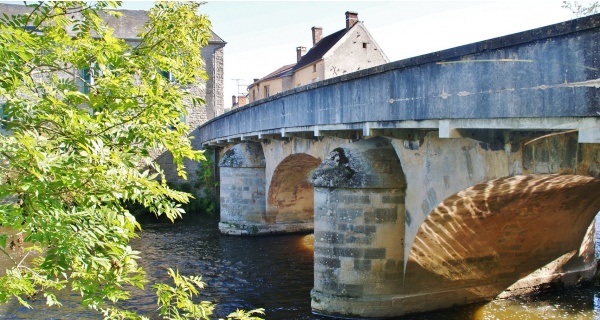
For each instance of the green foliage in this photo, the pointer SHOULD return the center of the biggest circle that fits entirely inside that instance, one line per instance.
(74, 145)
(175, 300)
(580, 9)
(246, 315)
(208, 183)
(203, 190)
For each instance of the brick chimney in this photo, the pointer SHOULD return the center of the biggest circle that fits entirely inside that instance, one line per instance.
(317, 34)
(242, 100)
(300, 51)
(351, 19)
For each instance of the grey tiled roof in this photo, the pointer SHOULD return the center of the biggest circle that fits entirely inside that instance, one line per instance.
(281, 72)
(317, 52)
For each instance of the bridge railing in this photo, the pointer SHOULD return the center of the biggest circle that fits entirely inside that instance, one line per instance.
(546, 73)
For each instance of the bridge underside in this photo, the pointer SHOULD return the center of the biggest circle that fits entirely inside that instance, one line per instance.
(469, 221)
(497, 239)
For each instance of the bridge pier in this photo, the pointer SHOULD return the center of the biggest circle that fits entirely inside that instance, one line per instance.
(242, 189)
(246, 206)
(359, 229)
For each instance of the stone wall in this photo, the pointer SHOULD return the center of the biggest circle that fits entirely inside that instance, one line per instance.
(212, 92)
(242, 189)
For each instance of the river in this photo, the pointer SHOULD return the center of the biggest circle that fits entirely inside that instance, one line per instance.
(276, 273)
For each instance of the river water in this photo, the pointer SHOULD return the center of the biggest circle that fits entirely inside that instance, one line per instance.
(276, 273)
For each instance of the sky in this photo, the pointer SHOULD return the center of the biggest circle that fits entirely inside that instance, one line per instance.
(262, 36)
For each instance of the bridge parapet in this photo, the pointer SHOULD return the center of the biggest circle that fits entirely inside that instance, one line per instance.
(543, 79)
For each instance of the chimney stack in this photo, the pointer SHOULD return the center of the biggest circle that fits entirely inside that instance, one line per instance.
(300, 51)
(317, 33)
(242, 100)
(351, 19)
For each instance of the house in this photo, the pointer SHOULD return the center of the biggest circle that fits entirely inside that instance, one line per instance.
(127, 27)
(347, 50)
(275, 82)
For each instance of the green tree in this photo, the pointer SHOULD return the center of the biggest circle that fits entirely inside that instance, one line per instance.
(82, 112)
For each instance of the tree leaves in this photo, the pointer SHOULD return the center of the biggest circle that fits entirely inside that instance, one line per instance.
(71, 158)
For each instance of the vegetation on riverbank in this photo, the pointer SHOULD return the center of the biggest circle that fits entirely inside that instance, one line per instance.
(203, 190)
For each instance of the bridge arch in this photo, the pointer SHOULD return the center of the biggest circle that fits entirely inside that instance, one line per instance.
(509, 234)
(291, 197)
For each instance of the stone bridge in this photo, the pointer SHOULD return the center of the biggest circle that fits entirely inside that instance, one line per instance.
(446, 179)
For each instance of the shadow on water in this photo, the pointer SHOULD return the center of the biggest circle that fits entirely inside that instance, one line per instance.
(240, 272)
(276, 273)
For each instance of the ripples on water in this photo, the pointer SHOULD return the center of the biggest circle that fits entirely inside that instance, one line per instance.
(276, 273)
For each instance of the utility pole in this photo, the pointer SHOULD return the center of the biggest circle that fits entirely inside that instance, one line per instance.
(238, 85)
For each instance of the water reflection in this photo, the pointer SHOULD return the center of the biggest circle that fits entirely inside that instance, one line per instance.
(268, 272)
(578, 303)
(276, 273)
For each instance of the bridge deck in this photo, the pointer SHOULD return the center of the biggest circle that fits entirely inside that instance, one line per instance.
(543, 79)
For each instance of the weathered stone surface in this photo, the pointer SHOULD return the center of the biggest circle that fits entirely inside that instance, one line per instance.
(290, 196)
(353, 226)
(244, 155)
(363, 234)
(370, 163)
(521, 76)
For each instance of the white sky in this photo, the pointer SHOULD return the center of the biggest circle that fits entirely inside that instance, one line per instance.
(262, 36)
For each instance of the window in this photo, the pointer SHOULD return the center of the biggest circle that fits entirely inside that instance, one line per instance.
(364, 45)
(168, 75)
(266, 90)
(3, 115)
(315, 67)
(88, 76)
(87, 80)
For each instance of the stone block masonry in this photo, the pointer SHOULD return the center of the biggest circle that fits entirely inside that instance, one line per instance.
(242, 195)
(359, 228)
(358, 245)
